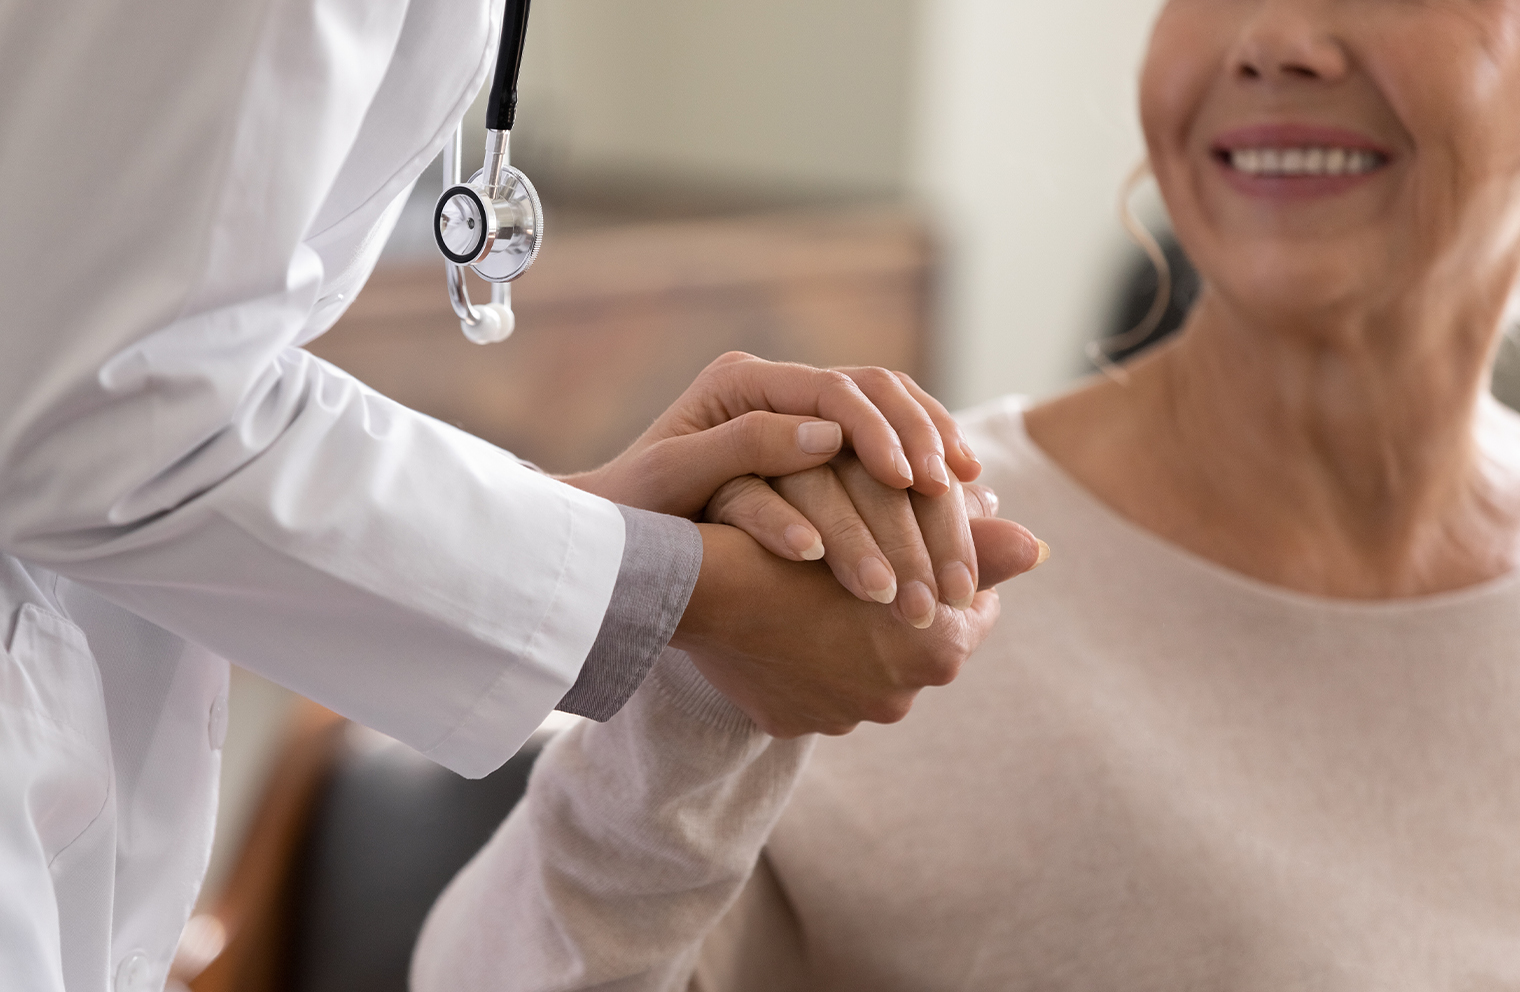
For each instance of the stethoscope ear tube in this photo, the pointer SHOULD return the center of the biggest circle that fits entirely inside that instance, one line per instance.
(501, 109)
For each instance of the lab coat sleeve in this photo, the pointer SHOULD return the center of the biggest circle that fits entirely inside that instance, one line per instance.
(163, 440)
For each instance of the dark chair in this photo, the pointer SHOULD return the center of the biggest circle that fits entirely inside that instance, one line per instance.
(389, 832)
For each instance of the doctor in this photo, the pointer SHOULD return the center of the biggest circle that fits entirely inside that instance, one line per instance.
(189, 192)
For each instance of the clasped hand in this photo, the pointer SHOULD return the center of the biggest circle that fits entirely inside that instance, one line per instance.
(786, 465)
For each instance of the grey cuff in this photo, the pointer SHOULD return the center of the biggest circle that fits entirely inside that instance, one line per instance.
(661, 558)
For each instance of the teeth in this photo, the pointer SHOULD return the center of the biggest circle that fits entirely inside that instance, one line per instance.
(1304, 161)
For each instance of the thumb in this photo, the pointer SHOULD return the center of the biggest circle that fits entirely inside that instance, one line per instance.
(1004, 549)
(683, 472)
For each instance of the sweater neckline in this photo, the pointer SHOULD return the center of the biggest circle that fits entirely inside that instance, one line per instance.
(1116, 526)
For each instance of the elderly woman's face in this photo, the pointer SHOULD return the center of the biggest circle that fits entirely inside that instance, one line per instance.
(1335, 153)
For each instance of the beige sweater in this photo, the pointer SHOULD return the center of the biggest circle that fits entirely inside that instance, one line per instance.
(1157, 775)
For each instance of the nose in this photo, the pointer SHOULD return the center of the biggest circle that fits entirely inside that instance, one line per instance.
(1289, 40)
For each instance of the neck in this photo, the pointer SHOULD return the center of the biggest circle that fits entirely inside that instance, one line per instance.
(1343, 461)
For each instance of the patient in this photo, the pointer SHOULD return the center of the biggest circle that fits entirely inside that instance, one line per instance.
(1255, 724)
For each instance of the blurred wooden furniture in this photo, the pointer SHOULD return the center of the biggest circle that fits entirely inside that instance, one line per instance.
(613, 324)
(242, 944)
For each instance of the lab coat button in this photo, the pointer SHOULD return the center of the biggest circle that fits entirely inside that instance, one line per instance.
(216, 726)
(134, 973)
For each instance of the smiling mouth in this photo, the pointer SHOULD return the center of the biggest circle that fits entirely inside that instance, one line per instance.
(1294, 162)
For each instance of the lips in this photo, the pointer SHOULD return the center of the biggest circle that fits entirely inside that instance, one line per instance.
(1296, 160)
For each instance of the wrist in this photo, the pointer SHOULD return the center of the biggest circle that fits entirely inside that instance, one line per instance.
(711, 607)
(584, 481)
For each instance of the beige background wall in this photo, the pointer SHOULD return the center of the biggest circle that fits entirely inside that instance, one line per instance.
(802, 96)
(1011, 123)
(1025, 128)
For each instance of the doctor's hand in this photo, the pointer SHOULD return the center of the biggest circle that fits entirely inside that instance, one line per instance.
(745, 416)
(887, 545)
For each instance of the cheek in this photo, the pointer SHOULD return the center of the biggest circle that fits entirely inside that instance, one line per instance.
(1457, 92)
(1177, 70)
(1187, 54)
(1182, 64)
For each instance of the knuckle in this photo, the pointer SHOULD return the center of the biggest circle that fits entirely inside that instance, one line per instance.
(835, 380)
(943, 664)
(731, 358)
(749, 429)
(903, 545)
(733, 501)
(876, 377)
(891, 709)
(744, 438)
(844, 527)
(942, 674)
(723, 373)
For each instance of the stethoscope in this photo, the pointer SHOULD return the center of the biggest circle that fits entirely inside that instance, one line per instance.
(493, 224)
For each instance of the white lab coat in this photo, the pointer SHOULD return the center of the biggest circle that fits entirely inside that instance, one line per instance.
(189, 191)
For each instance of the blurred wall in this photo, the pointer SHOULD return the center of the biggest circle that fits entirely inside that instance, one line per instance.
(1025, 127)
(1011, 123)
(786, 99)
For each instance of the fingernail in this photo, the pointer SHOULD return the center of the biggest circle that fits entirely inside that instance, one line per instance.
(877, 580)
(903, 468)
(957, 585)
(1044, 554)
(992, 501)
(966, 451)
(803, 541)
(819, 437)
(937, 470)
(917, 604)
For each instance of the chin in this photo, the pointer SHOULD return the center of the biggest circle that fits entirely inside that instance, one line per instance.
(1295, 284)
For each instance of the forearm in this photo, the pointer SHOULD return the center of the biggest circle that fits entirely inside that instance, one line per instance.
(635, 837)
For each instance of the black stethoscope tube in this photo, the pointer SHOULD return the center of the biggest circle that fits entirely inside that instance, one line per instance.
(501, 109)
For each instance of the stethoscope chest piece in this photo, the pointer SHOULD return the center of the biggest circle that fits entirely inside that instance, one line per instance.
(496, 230)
